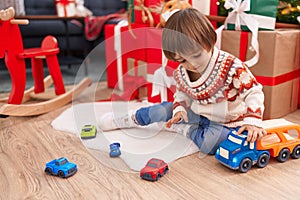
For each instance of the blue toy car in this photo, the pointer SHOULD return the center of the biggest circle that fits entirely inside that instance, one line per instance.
(238, 154)
(114, 149)
(61, 167)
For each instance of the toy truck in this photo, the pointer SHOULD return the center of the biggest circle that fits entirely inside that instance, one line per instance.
(238, 154)
(61, 167)
(280, 142)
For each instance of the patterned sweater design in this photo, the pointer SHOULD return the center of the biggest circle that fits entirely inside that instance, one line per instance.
(226, 92)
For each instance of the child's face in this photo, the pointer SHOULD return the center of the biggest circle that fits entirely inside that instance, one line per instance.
(196, 61)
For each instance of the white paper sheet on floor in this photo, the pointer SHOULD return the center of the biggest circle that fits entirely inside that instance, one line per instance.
(138, 145)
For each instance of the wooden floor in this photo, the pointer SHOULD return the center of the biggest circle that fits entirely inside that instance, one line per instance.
(27, 143)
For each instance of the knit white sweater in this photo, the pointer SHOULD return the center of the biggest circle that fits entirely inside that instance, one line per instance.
(227, 92)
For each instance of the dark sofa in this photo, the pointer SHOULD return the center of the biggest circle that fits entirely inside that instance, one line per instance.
(37, 29)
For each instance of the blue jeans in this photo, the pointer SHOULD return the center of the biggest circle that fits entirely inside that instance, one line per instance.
(206, 134)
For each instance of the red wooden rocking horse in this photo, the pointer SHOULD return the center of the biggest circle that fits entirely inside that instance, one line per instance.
(11, 48)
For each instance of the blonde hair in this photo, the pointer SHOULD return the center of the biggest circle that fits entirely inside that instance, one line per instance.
(186, 30)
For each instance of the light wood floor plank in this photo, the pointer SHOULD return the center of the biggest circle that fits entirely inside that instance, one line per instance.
(27, 143)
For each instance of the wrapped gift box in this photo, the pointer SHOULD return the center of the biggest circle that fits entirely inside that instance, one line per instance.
(146, 78)
(278, 67)
(160, 81)
(143, 49)
(121, 44)
(264, 12)
(65, 8)
(207, 7)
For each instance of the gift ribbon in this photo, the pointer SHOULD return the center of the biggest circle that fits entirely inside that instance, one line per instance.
(272, 81)
(240, 17)
(207, 7)
(65, 4)
(146, 12)
(118, 49)
(243, 45)
(161, 81)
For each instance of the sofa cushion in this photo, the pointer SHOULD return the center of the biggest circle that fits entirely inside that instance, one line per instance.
(41, 28)
(40, 7)
(104, 7)
(98, 7)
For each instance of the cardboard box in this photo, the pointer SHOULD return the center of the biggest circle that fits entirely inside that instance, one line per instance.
(277, 68)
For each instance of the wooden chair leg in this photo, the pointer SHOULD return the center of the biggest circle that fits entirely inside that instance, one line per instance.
(54, 70)
(38, 74)
(17, 71)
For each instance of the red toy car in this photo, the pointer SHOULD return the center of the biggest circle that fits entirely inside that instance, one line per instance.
(154, 169)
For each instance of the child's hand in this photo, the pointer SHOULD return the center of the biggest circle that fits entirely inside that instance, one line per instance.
(254, 132)
(177, 117)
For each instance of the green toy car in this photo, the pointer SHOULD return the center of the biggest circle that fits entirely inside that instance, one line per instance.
(88, 131)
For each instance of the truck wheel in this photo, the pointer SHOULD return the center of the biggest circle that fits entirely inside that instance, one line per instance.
(296, 152)
(61, 174)
(48, 170)
(263, 160)
(245, 165)
(283, 155)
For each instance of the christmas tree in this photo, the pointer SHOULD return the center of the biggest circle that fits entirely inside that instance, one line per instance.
(288, 11)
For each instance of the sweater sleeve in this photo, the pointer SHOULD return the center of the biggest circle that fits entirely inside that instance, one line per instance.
(251, 92)
(181, 102)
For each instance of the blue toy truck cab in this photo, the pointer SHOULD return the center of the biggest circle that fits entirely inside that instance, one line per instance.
(239, 154)
(61, 167)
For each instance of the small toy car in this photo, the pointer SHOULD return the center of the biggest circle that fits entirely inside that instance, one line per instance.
(114, 149)
(61, 167)
(154, 169)
(88, 132)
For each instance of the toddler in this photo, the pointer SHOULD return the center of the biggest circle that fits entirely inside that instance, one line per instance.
(215, 90)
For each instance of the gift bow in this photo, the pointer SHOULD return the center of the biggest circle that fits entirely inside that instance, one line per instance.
(146, 12)
(238, 13)
(238, 16)
(161, 81)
